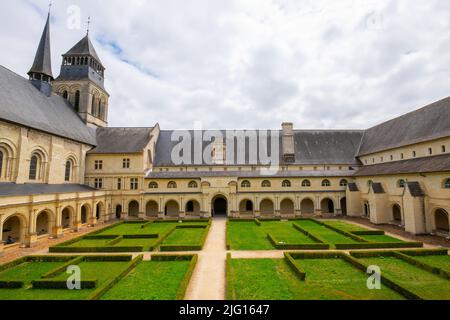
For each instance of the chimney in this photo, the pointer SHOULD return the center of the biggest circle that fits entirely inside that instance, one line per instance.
(288, 147)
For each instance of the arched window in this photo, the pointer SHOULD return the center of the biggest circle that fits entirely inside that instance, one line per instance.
(246, 184)
(153, 185)
(326, 183)
(306, 183)
(266, 184)
(77, 100)
(172, 185)
(1, 163)
(33, 167)
(286, 184)
(94, 107)
(401, 183)
(446, 183)
(343, 183)
(193, 185)
(65, 95)
(369, 183)
(68, 171)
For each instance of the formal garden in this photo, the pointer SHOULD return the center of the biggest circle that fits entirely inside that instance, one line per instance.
(156, 260)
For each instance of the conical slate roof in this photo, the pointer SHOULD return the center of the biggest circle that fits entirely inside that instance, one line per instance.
(84, 47)
(42, 61)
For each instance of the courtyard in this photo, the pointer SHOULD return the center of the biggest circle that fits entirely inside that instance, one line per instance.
(230, 259)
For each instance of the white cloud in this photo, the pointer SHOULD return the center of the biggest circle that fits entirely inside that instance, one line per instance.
(250, 63)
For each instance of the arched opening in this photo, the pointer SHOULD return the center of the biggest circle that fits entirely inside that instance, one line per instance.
(193, 208)
(367, 210)
(442, 221)
(35, 163)
(68, 171)
(266, 207)
(219, 206)
(65, 95)
(67, 218)
(246, 207)
(327, 206)
(119, 211)
(151, 209)
(84, 214)
(397, 213)
(43, 223)
(344, 206)
(172, 209)
(287, 207)
(307, 206)
(98, 210)
(133, 209)
(1, 163)
(13, 230)
(77, 101)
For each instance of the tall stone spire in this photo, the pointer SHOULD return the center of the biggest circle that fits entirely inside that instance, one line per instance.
(41, 71)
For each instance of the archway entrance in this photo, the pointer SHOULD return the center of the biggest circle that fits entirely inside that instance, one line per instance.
(151, 209)
(193, 208)
(43, 223)
(367, 210)
(344, 206)
(246, 207)
(266, 208)
(219, 206)
(287, 207)
(118, 211)
(442, 221)
(84, 214)
(13, 230)
(397, 214)
(98, 210)
(67, 218)
(327, 206)
(307, 206)
(172, 209)
(133, 209)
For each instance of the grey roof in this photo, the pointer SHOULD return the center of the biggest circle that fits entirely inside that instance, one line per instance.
(82, 48)
(320, 147)
(415, 189)
(428, 123)
(377, 188)
(12, 189)
(439, 163)
(353, 187)
(245, 174)
(23, 104)
(42, 61)
(121, 140)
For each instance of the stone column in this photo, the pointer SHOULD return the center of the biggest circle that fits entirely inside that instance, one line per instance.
(31, 237)
(256, 207)
(318, 211)
(277, 207)
(77, 219)
(58, 228)
(141, 214)
(161, 213)
(182, 213)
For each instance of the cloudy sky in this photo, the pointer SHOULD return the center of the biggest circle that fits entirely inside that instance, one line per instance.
(321, 64)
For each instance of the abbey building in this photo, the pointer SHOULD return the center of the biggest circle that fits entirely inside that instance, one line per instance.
(62, 168)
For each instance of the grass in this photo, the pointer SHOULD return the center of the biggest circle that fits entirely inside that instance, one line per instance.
(421, 282)
(345, 226)
(185, 236)
(150, 280)
(102, 271)
(441, 262)
(284, 231)
(381, 239)
(328, 235)
(246, 235)
(83, 243)
(327, 279)
(146, 243)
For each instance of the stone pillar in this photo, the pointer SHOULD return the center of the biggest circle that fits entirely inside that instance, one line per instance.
(297, 209)
(58, 228)
(77, 225)
(161, 213)
(256, 207)
(141, 214)
(124, 209)
(182, 213)
(31, 237)
(318, 210)
(277, 207)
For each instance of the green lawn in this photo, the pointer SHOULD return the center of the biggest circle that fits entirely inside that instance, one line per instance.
(150, 280)
(328, 235)
(273, 279)
(345, 226)
(442, 262)
(146, 243)
(421, 282)
(246, 235)
(185, 236)
(381, 239)
(89, 243)
(102, 271)
(285, 232)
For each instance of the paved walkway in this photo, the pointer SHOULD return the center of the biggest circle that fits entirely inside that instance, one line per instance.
(208, 279)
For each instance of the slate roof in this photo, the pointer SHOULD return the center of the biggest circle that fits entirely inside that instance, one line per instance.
(22, 103)
(245, 174)
(42, 62)
(418, 165)
(428, 123)
(415, 189)
(121, 140)
(311, 147)
(12, 189)
(82, 48)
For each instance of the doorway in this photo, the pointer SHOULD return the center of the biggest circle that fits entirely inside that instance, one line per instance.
(219, 207)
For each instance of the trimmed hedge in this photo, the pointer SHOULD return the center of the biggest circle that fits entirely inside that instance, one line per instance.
(376, 245)
(426, 252)
(369, 233)
(316, 255)
(241, 220)
(172, 248)
(187, 277)
(11, 284)
(146, 224)
(58, 270)
(306, 233)
(296, 246)
(340, 231)
(371, 254)
(422, 265)
(299, 272)
(228, 278)
(115, 258)
(99, 237)
(174, 257)
(95, 249)
(107, 228)
(141, 236)
(227, 238)
(258, 222)
(114, 241)
(61, 284)
(97, 294)
(162, 238)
